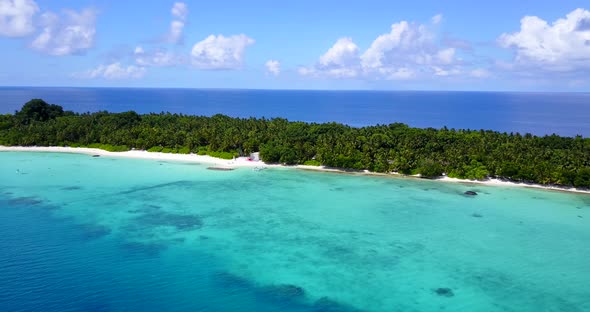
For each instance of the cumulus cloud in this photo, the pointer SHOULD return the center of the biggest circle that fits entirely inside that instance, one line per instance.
(439, 71)
(406, 43)
(113, 71)
(273, 67)
(219, 52)
(408, 51)
(138, 50)
(179, 13)
(180, 10)
(445, 56)
(402, 73)
(339, 72)
(480, 73)
(16, 17)
(156, 58)
(340, 61)
(175, 33)
(71, 33)
(583, 24)
(344, 52)
(436, 19)
(563, 45)
(457, 43)
(305, 71)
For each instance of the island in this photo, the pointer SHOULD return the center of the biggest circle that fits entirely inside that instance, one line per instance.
(393, 148)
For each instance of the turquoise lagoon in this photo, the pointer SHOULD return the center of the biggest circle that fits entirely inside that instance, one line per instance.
(79, 233)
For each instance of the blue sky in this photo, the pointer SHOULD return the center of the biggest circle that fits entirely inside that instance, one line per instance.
(390, 45)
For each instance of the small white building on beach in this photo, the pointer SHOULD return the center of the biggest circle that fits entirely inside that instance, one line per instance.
(255, 156)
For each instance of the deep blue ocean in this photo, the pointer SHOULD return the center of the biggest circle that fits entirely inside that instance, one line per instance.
(566, 114)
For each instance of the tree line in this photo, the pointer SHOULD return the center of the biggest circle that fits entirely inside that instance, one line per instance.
(396, 147)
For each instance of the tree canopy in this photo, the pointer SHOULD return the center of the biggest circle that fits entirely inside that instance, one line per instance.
(382, 148)
(38, 110)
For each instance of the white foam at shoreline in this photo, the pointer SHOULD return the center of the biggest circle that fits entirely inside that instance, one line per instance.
(244, 162)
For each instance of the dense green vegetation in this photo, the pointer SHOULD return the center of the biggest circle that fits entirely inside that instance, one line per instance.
(382, 148)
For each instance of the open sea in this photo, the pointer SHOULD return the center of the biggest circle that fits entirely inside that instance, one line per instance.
(566, 114)
(79, 233)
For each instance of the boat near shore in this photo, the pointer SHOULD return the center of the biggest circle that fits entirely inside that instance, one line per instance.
(217, 168)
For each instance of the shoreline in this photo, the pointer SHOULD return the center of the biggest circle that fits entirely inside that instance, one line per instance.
(486, 182)
(243, 162)
(140, 154)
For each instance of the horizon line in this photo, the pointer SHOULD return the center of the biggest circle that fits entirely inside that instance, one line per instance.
(308, 90)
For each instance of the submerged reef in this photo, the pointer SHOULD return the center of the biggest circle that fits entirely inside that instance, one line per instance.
(71, 188)
(25, 201)
(444, 292)
(284, 292)
(326, 304)
(92, 232)
(180, 222)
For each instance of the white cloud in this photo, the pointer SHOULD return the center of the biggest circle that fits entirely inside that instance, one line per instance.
(219, 52)
(408, 51)
(155, 58)
(180, 10)
(437, 19)
(406, 43)
(563, 45)
(175, 33)
(113, 71)
(16, 17)
(457, 43)
(342, 53)
(446, 56)
(138, 50)
(480, 73)
(340, 61)
(402, 73)
(306, 71)
(439, 71)
(71, 33)
(340, 72)
(273, 67)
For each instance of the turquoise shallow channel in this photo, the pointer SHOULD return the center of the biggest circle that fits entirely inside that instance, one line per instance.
(79, 233)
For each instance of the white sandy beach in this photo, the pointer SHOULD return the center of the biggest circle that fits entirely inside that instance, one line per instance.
(491, 182)
(238, 162)
(244, 162)
(498, 182)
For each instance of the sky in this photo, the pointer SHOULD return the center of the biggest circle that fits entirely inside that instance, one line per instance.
(470, 45)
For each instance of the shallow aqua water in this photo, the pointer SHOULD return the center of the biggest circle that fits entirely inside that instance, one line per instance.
(104, 234)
